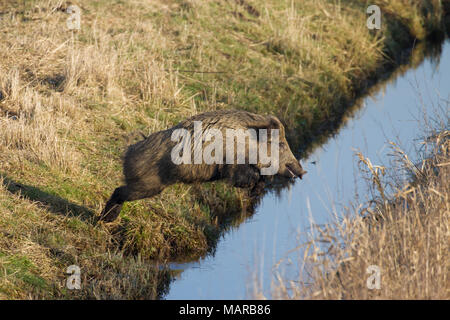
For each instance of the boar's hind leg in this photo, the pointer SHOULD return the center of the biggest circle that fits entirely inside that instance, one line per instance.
(244, 176)
(114, 204)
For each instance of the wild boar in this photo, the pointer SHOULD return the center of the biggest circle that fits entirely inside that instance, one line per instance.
(245, 148)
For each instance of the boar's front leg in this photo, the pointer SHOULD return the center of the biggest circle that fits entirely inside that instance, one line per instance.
(244, 176)
(258, 188)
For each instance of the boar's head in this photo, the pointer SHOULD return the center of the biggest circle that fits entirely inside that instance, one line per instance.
(288, 165)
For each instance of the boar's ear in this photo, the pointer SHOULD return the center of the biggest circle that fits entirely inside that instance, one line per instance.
(269, 123)
(274, 123)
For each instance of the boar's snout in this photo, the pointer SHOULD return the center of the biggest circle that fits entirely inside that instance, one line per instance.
(295, 169)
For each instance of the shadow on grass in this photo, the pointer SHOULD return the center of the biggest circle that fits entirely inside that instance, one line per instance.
(53, 203)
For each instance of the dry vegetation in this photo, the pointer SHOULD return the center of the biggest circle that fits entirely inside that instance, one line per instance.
(70, 101)
(405, 234)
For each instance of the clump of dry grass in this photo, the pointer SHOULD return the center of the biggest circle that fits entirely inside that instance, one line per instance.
(405, 235)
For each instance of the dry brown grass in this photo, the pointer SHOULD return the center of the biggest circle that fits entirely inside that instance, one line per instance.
(405, 234)
(30, 128)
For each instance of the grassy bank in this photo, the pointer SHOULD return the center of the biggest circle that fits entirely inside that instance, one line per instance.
(70, 102)
(404, 234)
